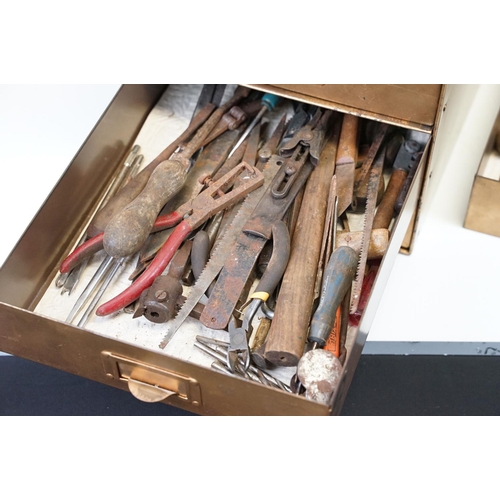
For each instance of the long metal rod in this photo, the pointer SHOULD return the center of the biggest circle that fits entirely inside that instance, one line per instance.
(110, 275)
(89, 289)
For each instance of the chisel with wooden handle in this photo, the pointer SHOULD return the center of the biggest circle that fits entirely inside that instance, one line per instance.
(127, 231)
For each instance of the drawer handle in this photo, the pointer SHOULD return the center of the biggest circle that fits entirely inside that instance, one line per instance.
(148, 393)
(149, 383)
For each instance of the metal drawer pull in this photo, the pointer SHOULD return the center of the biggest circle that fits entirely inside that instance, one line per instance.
(148, 383)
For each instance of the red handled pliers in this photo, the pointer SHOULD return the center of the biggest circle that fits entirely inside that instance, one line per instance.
(188, 217)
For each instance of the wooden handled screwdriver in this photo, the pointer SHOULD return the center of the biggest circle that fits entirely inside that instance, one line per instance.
(127, 231)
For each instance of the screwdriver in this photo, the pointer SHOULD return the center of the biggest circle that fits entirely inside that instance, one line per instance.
(338, 277)
(269, 102)
(339, 274)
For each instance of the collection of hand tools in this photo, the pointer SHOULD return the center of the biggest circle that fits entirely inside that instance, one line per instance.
(270, 231)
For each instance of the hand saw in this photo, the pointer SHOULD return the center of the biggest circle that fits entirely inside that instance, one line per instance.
(371, 202)
(230, 234)
(291, 177)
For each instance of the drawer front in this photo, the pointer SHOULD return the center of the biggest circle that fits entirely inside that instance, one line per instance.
(145, 373)
(412, 106)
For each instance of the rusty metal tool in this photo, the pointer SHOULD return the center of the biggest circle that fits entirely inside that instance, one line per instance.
(218, 350)
(187, 218)
(234, 118)
(126, 195)
(268, 103)
(291, 177)
(230, 233)
(68, 281)
(116, 264)
(371, 202)
(296, 122)
(287, 337)
(403, 163)
(239, 336)
(377, 141)
(310, 136)
(90, 288)
(158, 302)
(345, 165)
(210, 98)
(127, 231)
(208, 164)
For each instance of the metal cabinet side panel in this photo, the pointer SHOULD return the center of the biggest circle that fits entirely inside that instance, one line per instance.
(61, 217)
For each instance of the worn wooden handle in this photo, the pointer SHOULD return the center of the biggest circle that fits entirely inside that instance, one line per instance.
(125, 195)
(385, 210)
(288, 333)
(128, 229)
(348, 141)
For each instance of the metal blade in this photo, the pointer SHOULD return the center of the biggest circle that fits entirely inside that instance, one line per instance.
(220, 253)
(371, 203)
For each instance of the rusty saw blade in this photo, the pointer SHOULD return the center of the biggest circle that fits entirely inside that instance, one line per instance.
(220, 254)
(371, 203)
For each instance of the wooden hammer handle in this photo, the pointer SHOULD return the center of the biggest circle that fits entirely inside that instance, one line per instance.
(288, 333)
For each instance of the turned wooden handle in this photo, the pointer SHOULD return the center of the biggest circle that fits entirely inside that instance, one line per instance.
(385, 210)
(379, 241)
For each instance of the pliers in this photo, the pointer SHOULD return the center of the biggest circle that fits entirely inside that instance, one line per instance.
(187, 217)
(311, 135)
(239, 336)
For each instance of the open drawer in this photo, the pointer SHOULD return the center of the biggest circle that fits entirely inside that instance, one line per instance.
(128, 357)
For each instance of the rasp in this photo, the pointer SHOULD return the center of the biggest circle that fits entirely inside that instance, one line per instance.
(371, 203)
(226, 241)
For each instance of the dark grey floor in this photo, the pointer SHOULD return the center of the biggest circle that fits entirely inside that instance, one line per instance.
(382, 385)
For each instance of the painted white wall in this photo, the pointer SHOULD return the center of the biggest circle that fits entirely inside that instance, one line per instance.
(444, 291)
